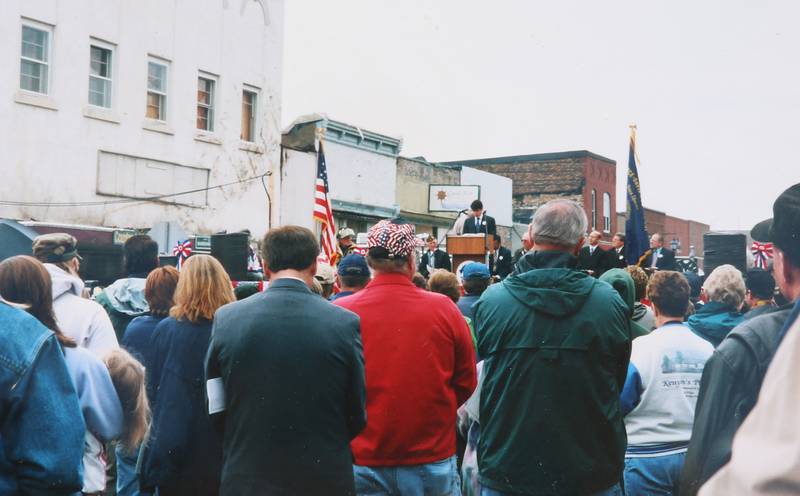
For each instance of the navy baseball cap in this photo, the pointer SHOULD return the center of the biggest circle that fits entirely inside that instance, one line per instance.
(353, 265)
(476, 270)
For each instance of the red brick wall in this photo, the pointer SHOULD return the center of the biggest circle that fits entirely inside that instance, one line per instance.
(676, 229)
(688, 232)
(600, 176)
(654, 221)
(696, 232)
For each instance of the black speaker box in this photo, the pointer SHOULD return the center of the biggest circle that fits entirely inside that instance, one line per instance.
(724, 248)
(232, 251)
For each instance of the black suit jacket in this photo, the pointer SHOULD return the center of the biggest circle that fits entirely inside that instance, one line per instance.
(441, 260)
(504, 265)
(293, 371)
(616, 260)
(665, 262)
(487, 226)
(592, 261)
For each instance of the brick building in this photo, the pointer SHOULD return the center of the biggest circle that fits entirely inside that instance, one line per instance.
(582, 176)
(683, 236)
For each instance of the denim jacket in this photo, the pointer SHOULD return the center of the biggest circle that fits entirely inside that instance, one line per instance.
(41, 426)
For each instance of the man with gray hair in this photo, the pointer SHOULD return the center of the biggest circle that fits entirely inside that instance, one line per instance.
(556, 344)
(724, 290)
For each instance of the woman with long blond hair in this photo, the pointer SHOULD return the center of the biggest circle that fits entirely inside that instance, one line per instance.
(183, 455)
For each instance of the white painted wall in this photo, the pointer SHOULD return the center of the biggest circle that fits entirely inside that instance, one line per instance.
(354, 175)
(495, 193)
(52, 154)
(360, 176)
(298, 179)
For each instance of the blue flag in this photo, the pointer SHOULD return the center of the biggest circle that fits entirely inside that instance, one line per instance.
(636, 238)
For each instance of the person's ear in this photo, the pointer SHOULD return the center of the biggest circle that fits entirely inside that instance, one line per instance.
(577, 248)
(313, 269)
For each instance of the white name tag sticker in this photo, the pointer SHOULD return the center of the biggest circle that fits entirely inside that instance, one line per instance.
(216, 395)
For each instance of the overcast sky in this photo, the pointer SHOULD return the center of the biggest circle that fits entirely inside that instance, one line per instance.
(714, 87)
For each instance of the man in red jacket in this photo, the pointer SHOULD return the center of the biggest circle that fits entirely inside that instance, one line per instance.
(420, 366)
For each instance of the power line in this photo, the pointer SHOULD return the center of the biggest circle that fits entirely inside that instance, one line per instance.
(127, 200)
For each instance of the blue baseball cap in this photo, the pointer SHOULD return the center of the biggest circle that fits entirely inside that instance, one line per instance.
(353, 265)
(476, 270)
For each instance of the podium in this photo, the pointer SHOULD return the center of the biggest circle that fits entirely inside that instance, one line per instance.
(467, 247)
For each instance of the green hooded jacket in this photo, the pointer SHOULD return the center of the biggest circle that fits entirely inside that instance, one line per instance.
(556, 345)
(620, 280)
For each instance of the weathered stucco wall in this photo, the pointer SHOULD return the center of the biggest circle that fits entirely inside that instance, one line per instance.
(51, 146)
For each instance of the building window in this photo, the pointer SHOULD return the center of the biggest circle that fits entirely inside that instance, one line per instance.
(205, 103)
(594, 209)
(606, 212)
(100, 76)
(249, 109)
(157, 90)
(34, 68)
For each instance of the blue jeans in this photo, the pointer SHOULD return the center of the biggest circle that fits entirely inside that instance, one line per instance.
(127, 478)
(659, 475)
(429, 479)
(615, 490)
(127, 481)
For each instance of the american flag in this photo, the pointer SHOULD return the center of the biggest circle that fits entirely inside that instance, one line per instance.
(323, 212)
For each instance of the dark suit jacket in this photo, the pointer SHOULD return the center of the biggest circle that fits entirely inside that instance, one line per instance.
(504, 265)
(595, 261)
(665, 262)
(441, 260)
(487, 227)
(615, 260)
(518, 255)
(293, 371)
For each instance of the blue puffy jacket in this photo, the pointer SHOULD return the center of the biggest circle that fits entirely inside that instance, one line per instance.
(41, 426)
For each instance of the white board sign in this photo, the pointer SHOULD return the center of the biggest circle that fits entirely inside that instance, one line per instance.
(451, 197)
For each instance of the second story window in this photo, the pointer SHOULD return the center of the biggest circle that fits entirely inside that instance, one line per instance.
(249, 109)
(606, 212)
(35, 58)
(156, 90)
(100, 76)
(594, 209)
(205, 103)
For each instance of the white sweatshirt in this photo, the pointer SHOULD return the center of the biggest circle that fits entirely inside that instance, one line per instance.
(83, 320)
(661, 390)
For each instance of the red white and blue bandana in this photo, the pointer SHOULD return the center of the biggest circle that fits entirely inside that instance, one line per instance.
(394, 236)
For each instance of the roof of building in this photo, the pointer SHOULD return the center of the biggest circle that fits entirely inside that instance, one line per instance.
(536, 157)
(302, 134)
(423, 161)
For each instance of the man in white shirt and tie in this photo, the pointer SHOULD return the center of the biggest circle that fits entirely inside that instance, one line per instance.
(658, 257)
(433, 258)
(479, 222)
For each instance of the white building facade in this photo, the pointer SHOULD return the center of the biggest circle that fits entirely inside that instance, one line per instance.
(361, 167)
(124, 114)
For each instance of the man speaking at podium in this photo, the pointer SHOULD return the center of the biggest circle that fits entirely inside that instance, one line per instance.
(478, 222)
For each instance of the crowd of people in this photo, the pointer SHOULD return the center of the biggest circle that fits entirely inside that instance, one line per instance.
(556, 370)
